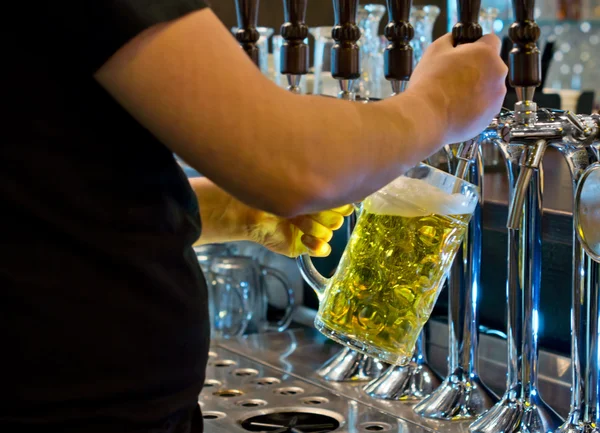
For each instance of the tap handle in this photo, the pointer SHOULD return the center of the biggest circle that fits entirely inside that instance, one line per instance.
(525, 60)
(345, 57)
(294, 52)
(247, 34)
(398, 58)
(467, 30)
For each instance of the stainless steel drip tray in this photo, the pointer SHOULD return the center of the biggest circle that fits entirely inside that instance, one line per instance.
(291, 359)
(241, 395)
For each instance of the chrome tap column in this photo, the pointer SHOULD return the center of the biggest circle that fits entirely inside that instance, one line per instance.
(522, 409)
(347, 365)
(462, 395)
(582, 159)
(416, 380)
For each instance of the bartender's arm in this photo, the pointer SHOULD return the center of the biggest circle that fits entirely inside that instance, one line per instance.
(193, 87)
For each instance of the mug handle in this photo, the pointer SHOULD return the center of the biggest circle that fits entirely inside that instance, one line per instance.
(285, 321)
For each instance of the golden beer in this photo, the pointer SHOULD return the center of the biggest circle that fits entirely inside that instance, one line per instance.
(392, 270)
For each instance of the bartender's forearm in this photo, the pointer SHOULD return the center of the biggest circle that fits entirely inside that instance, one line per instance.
(192, 86)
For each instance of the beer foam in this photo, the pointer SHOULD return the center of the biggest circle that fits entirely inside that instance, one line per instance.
(410, 197)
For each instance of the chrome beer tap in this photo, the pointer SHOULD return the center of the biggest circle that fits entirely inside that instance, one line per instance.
(347, 365)
(528, 133)
(416, 380)
(580, 149)
(462, 394)
(584, 415)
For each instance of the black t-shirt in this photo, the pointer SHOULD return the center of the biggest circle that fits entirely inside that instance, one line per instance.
(103, 307)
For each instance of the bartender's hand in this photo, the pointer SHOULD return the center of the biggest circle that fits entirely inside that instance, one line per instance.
(226, 219)
(465, 84)
(299, 235)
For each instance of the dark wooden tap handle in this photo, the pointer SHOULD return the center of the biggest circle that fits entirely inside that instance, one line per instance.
(398, 57)
(345, 56)
(247, 34)
(525, 59)
(467, 30)
(294, 52)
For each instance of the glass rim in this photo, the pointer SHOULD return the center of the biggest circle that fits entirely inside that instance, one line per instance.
(445, 173)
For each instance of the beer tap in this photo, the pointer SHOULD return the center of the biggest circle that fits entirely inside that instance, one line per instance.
(582, 157)
(347, 365)
(247, 34)
(294, 52)
(462, 394)
(584, 415)
(416, 380)
(529, 133)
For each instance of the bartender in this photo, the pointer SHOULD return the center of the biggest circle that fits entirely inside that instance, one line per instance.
(103, 309)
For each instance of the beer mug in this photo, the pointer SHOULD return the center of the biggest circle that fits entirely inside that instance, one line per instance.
(205, 254)
(394, 265)
(239, 291)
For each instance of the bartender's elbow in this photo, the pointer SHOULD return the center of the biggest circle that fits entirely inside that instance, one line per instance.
(311, 195)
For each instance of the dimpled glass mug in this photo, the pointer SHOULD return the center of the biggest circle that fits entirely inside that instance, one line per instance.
(391, 272)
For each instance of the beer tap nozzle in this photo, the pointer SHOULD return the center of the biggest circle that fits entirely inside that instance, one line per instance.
(345, 54)
(247, 34)
(294, 52)
(398, 57)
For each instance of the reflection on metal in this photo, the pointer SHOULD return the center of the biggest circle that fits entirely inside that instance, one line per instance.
(256, 406)
(410, 382)
(587, 211)
(463, 395)
(350, 366)
(312, 350)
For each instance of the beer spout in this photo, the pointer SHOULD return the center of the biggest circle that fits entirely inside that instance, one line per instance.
(294, 52)
(247, 34)
(525, 76)
(398, 57)
(345, 54)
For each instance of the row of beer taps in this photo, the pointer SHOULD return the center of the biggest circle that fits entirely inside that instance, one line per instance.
(522, 136)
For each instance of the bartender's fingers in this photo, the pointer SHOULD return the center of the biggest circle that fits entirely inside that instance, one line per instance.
(344, 210)
(329, 218)
(493, 41)
(316, 247)
(309, 226)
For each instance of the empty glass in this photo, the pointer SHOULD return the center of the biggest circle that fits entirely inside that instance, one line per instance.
(240, 297)
(324, 83)
(422, 19)
(372, 81)
(205, 254)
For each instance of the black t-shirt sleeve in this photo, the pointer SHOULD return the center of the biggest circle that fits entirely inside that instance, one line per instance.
(110, 24)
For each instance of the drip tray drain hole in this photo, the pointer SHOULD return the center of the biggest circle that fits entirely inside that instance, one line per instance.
(291, 390)
(314, 401)
(266, 381)
(375, 427)
(245, 372)
(213, 415)
(251, 403)
(228, 393)
(293, 419)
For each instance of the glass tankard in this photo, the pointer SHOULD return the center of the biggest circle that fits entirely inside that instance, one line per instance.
(392, 270)
(239, 289)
